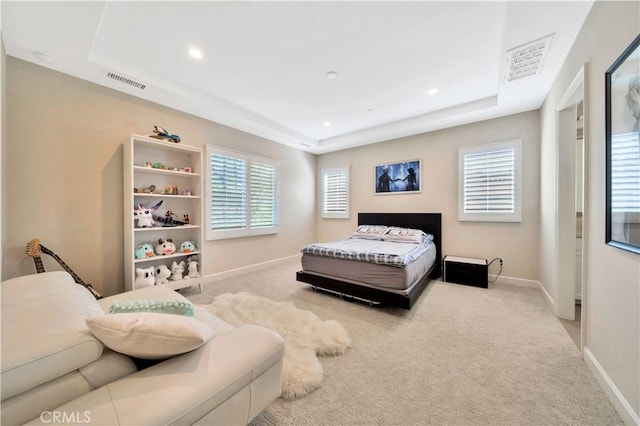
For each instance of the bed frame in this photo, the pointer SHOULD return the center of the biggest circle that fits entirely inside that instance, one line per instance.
(428, 222)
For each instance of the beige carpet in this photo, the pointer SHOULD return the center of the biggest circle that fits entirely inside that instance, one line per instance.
(461, 356)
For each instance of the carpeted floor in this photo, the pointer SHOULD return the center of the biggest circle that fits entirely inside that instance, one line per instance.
(461, 356)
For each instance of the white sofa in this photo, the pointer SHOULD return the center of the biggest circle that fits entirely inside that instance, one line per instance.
(54, 370)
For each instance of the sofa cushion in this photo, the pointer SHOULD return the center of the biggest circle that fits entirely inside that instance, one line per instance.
(149, 335)
(28, 405)
(44, 335)
(158, 292)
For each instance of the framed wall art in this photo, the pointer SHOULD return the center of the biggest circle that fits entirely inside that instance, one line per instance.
(622, 127)
(398, 178)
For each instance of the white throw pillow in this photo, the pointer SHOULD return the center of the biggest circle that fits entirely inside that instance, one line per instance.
(406, 235)
(369, 232)
(149, 335)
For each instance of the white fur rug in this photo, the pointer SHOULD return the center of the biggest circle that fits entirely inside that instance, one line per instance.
(305, 336)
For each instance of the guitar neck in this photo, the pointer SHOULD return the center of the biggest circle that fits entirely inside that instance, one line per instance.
(64, 265)
(39, 266)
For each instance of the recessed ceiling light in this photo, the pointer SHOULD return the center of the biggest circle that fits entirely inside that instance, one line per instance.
(326, 124)
(196, 53)
(432, 91)
(332, 75)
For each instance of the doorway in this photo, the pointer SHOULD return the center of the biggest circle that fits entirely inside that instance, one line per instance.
(572, 217)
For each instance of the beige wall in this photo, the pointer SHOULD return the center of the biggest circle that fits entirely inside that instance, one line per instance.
(612, 282)
(3, 130)
(64, 176)
(516, 243)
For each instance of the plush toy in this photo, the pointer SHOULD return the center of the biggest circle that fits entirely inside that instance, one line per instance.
(144, 215)
(144, 250)
(165, 247)
(162, 274)
(176, 271)
(144, 277)
(187, 247)
(192, 266)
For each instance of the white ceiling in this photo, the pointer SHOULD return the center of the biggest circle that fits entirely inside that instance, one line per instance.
(265, 63)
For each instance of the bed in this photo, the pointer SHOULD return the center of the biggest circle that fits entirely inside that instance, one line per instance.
(378, 284)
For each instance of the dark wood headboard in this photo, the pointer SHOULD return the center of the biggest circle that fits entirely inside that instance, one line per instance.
(430, 223)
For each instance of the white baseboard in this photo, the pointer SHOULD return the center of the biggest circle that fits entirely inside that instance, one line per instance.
(629, 417)
(520, 282)
(246, 269)
(523, 282)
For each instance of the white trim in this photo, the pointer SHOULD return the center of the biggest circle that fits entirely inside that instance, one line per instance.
(520, 282)
(618, 401)
(211, 278)
(547, 297)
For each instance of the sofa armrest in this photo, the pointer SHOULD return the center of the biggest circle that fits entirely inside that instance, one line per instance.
(184, 388)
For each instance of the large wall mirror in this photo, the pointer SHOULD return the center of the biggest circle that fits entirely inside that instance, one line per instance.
(622, 109)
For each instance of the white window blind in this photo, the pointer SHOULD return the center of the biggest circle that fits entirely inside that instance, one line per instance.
(625, 173)
(263, 195)
(228, 193)
(490, 182)
(335, 193)
(242, 195)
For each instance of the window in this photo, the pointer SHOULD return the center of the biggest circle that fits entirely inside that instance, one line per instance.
(490, 182)
(242, 195)
(335, 193)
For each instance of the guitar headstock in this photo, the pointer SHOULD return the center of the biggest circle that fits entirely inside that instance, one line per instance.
(33, 248)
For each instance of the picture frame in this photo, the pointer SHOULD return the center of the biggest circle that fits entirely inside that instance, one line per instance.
(622, 128)
(402, 177)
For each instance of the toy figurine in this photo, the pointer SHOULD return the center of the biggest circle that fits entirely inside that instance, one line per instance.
(144, 277)
(192, 266)
(185, 218)
(162, 274)
(187, 247)
(144, 250)
(161, 133)
(165, 247)
(176, 270)
(148, 190)
(144, 215)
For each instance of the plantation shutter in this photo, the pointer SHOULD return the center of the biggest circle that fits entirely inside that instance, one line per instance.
(625, 172)
(228, 193)
(489, 182)
(336, 193)
(262, 179)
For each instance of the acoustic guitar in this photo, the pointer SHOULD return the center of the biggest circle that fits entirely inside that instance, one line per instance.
(35, 249)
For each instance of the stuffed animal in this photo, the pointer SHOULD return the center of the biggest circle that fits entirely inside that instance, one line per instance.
(144, 250)
(165, 247)
(187, 247)
(162, 274)
(176, 271)
(192, 266)
(144, 215)
(144, 277)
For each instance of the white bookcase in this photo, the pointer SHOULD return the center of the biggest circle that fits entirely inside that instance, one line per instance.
(179, 187)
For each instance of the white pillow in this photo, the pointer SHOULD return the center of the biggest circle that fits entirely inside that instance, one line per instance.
(405, 235)
(369, 232)
(150, 335)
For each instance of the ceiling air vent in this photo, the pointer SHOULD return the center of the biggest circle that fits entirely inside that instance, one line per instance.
(125, 80)
(526, 60)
